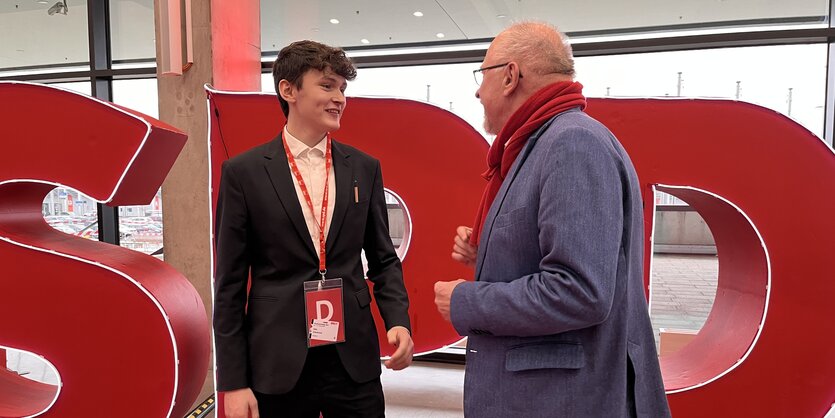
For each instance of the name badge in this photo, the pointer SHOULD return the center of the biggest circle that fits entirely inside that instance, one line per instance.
(323, 310)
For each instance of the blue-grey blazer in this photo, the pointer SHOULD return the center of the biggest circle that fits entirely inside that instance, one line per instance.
(557, 319)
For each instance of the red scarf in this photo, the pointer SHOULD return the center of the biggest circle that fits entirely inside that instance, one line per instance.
(538, 109)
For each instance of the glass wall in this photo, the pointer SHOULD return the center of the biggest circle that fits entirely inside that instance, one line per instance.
(139, 94)
(38, 33)
(82, 87)
(71, 212)
(132, 31)
(140, 226)
(449, 86)
(789, 79)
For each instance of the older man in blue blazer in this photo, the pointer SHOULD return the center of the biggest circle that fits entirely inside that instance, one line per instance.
(557, 319)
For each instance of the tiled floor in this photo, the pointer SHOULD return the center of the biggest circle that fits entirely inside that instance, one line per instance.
(683, 289)
(424, 390)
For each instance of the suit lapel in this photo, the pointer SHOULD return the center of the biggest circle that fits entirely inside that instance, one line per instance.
(344, 175)
(497, 203)
(278, 172)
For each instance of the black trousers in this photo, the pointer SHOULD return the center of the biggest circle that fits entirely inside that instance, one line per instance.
(325, 387)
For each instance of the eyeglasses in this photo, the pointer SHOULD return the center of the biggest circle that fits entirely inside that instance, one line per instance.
(478, 74)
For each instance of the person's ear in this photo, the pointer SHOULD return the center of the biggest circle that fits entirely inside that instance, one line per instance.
(510, 78)
(287, 91)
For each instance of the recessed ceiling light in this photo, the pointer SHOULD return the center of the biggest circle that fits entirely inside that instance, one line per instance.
(501, 16)
(440, 35)
(365, 41)
(418, 14)
(43, 1)
(335, 21)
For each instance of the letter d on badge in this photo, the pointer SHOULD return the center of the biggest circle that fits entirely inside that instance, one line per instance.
(319, 305)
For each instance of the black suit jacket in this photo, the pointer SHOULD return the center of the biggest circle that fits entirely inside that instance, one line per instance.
(260, 338)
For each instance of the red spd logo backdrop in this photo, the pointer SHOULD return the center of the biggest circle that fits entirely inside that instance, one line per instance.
(764, 185)
(126, 333)
(122, 328)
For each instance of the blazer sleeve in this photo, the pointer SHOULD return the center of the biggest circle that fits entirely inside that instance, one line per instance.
(231, 275)
(384, 267)
(580, 224)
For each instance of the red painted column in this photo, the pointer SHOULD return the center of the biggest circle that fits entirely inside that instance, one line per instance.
(226, 52)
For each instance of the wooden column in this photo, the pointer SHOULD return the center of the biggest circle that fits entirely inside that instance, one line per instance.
(226, 53)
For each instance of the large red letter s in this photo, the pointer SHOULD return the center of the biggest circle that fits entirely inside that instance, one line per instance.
(126, 333)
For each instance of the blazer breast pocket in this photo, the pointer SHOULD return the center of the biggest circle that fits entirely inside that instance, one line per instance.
(504, 220)
(359, 194)
(360, 200)
(545, 355)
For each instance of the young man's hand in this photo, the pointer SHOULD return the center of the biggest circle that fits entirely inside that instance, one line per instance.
(462, 251)
(402, 357)
(240, 403)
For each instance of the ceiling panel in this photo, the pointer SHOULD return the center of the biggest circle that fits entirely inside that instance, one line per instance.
(392, 22)
(380, 22)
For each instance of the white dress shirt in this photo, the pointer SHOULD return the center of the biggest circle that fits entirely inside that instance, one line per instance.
(311, 164)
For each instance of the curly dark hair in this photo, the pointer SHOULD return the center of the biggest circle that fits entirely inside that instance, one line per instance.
(295, 59)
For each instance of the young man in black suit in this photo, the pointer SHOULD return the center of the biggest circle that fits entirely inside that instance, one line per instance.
(299, 209)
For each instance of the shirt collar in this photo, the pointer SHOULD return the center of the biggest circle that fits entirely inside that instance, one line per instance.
(297, 147)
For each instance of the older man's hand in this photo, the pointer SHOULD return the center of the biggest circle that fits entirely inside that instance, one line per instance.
(443, 293)
(462, 251)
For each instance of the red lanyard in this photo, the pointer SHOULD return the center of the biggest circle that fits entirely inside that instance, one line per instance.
(303, 187)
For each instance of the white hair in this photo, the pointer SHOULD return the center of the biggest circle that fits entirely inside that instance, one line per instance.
(539, 46)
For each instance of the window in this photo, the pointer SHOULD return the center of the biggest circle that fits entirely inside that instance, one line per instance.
(43, 33)
(140, 227)
(790, 79)
(139, 94)
(132, 31)
(82, 87)
(71, 212)
(448, 86)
